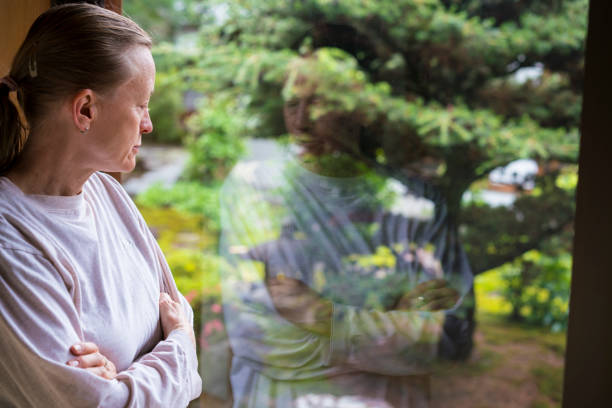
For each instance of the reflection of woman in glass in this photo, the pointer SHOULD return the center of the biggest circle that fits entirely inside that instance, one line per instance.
(90, 315)
(337, 276)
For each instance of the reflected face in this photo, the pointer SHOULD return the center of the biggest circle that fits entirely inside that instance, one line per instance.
(124, 116)
(330, 132)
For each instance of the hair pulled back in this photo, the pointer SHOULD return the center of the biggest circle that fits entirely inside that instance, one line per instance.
(67, 49)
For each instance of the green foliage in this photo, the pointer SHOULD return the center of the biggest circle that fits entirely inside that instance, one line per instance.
(488, 288)
(537, 286)
(163, 19)
(187, 197)
(533, 288)
(189, 247)
(495, 236)
(214, 143)
(194, 271)
(438, 75)
(498, 331)
(435, 82)
(549, 380)
(166, 108)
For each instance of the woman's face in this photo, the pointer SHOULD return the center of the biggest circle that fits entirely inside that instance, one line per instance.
(331, 132)
(123, 117)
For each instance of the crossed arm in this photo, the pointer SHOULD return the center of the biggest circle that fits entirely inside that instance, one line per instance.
(88, 356)
(40, 322)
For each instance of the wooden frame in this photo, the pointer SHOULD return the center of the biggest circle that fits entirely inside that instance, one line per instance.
(588, 361)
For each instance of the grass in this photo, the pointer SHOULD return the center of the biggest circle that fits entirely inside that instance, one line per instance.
(549, 380)
(498, 330)
(492, 318)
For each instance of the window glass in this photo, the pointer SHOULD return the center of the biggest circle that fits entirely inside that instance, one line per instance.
(369, 203)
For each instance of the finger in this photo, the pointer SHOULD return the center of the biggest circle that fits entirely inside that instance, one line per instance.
(441, 293)
(429, 285)
(103, 372)
(79, 349)
(88, 360)
(435, 284)
(164, 297)
(441, 304)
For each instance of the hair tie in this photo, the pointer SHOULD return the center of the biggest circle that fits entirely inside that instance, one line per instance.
(9, 82)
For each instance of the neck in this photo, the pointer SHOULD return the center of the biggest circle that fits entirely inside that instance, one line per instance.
(340, 165)
(47, 166)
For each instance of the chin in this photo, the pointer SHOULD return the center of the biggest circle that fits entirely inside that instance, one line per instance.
(128, 168)
(123, 168)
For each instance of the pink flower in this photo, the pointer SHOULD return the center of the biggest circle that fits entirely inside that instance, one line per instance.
(203, 343)
(216, 308)
(211, 326)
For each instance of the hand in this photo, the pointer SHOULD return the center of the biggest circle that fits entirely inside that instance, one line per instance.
(90, 359)
(296, 302)
(173, 316)
(432, 295)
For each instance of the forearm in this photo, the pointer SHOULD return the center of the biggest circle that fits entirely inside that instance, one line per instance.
(165, 377)
(396, 342)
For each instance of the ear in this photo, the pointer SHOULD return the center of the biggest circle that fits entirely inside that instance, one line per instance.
(83, 109)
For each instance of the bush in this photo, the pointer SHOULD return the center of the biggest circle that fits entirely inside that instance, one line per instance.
(166, 108)
(188, 247)
(215, 143)
(189, 197)
(197, 277)
(537, 286)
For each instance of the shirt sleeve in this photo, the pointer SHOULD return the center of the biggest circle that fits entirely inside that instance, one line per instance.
(40, 322)
(362, 339)
(384, 342)
(391, 342)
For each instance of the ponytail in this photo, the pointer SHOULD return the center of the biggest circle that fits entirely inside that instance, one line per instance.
(12, 131)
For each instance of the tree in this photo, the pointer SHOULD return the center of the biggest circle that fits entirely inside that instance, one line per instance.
(441, 77)
(439, 80)
(164, 19)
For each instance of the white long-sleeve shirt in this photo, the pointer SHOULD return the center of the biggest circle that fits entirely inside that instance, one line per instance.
(86, 268)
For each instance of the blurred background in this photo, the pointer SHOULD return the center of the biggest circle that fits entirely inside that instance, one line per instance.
(480, 97)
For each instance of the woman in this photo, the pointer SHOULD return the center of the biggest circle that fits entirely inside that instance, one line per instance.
(90, 313)
(339, 272)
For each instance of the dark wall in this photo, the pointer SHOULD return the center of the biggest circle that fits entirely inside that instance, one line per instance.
(588, 381)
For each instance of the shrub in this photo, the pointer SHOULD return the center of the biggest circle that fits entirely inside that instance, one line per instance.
(537, 286)
(215, 143)
(189, 197)
(166, 108)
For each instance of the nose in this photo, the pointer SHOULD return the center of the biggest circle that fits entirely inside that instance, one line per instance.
(302, 119)
(146, 125)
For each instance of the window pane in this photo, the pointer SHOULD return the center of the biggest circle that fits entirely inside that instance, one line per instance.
(396, 183)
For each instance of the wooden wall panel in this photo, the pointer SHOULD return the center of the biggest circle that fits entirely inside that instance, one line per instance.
(16, 17)
(588, 381)
(115, 5)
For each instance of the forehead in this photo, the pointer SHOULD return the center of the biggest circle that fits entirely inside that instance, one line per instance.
(142, 70)
(301, 87)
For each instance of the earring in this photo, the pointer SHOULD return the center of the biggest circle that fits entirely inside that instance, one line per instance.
(84, 130)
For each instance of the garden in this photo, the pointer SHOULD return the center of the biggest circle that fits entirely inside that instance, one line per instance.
(458, 88)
